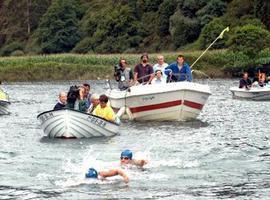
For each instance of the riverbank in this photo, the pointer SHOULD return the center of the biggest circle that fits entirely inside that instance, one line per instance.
(96, 66)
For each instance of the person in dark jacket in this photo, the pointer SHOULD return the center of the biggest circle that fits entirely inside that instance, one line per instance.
(62, 101)
(179, 70)
(245, 82)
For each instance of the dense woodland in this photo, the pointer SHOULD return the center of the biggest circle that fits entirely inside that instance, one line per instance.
(29, 27)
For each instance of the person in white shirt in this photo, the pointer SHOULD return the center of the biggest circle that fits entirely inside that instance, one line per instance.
(159, 79)
(161, 65)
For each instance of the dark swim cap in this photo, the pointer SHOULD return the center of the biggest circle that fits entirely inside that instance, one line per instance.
(92, 173)
(127, 153)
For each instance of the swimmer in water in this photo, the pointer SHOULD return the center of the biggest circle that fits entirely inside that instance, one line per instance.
(92, 173)
(126, 158)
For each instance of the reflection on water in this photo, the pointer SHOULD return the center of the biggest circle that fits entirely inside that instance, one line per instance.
(224, 154)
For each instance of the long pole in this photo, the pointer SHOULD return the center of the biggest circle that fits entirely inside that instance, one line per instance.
(219, 37)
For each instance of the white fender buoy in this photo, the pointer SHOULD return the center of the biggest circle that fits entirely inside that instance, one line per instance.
(129, 114)
(120, 112)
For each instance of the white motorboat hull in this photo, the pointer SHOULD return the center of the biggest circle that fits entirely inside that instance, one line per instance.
(179, 101)
(256, 93)
(69, 123)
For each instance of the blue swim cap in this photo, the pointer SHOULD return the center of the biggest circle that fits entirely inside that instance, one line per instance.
(127, 153)
(92, 173)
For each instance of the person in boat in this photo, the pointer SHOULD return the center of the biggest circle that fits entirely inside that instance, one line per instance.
(143, 72)
(245, 82)
(161, 65)
(104, 110)
(62, 101)
(126, 158)
(179, 70)
(262, 80)
(159, 79)
(94, 174)
(76, 99)
(94, 103)
(87, 94)
(123, 75)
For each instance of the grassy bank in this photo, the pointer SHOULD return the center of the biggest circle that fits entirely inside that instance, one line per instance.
(94, 66)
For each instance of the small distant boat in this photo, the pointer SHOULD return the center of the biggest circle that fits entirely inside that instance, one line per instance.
(67, 123)
(254, 93)
(4, 103)
(177, 101)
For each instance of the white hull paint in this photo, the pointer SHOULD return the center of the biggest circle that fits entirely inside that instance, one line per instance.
(4, 103)
(68, 123)
(179, 101)
(255, 93)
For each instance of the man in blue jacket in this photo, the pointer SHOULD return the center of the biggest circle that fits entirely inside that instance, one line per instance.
(179, 70)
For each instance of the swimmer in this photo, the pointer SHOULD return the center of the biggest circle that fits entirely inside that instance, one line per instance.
(126, 158)
(92, 173)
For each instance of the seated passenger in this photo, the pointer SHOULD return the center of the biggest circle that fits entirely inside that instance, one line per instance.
(161, 65)
(123, 75)
(159, 79)
(94, 103)
(179, 70)
(143, 72)
(103, 110)
(245, 82)
(262, 82)
(62, 101)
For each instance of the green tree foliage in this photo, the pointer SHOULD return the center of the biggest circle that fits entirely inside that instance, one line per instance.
(58, 30)
(114, 30)
(166, 9)
(183, 29)
(10, 48)
(214, 8)
(210, 32)
(250, 39)
(262, 10)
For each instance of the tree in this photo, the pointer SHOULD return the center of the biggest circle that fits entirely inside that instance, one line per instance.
(249, 39)
(58, 30)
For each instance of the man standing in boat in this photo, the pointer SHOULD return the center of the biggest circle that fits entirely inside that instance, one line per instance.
(143, 72)
(62, 101)
(123, 75)
(160, 65)
(245, 82)
(179, 70)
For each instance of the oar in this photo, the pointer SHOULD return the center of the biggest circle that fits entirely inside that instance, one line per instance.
(219, 37)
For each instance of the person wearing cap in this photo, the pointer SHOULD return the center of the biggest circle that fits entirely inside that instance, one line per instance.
(126, 158)
(93, 173)
(94, 99)
(62, 101)
(104, 110)
(159, 79)
(179, 70)
(161, 65)
(143, 72)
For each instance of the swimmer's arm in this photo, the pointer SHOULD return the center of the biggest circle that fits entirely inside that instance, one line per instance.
(114, 172)
(140, 163)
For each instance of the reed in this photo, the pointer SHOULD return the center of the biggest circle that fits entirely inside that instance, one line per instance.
(90, 66)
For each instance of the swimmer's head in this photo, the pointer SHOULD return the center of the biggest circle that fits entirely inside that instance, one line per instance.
(92, 173)
(126, 155)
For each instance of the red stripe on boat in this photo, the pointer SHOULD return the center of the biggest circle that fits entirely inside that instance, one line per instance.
(156, 106)
(193, 105)
(166, 105)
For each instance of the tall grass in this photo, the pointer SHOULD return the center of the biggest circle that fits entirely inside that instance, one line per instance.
(91, 66)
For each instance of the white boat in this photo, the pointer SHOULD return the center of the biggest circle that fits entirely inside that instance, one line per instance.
(4, 103)
(67, 123)
(254, 93)
(177, 101)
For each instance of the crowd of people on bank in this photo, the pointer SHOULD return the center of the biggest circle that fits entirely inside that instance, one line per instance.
(145, 73)
(260, 80)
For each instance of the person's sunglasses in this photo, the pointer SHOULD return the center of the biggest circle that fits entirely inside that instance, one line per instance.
(124, 158)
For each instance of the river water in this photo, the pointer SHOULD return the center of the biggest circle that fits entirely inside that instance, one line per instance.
(225, 154)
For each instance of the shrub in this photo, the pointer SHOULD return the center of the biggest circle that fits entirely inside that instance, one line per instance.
(9, 48)
(17, 53)
(249, 39)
